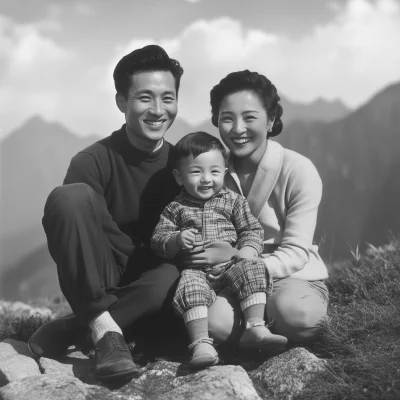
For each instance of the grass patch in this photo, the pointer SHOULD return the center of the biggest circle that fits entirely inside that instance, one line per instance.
(361, 338)
(19, 322)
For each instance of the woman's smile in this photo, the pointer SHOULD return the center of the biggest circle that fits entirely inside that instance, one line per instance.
(241, 141)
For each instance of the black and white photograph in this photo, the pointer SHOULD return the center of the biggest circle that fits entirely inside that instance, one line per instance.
(200, 199)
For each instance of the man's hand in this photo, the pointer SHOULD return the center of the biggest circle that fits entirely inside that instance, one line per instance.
(205, 253)
(186, 238)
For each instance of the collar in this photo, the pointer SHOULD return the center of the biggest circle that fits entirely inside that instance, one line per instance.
(131, 154)
(159, 146)
(266, 176)
(186, 196)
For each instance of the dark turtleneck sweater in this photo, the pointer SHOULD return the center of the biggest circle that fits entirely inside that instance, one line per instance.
(135, 185)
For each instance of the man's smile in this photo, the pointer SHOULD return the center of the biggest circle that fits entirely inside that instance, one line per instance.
(154, 123)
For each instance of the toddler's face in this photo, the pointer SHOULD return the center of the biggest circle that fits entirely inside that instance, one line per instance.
(202, 176)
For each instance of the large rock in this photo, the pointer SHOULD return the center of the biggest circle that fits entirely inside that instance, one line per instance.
(285, 375)
(17, 367)
(16, 361)
(74, 364)
(169, 380)
(154, 381)
(215, 383)
(45, 387)
(11, 347)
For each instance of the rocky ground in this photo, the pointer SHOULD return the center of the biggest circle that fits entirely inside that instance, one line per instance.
(281, 376)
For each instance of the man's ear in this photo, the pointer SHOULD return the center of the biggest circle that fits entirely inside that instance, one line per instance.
(121, 102)
(178, 177)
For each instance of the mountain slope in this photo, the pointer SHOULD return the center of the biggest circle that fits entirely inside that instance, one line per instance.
(319, 110)
(356, 157)
(33, 160)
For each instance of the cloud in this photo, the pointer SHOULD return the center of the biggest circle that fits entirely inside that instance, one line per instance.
(207, 50)
(350, 58)
(39, 76)
(31, 66)
(84, 9)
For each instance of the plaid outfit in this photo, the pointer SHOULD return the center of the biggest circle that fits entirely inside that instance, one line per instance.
(225, 217)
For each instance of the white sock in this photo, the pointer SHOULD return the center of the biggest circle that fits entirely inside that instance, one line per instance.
(102, 324)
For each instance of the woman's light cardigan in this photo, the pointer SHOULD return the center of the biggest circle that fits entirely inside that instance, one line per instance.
(284, 197)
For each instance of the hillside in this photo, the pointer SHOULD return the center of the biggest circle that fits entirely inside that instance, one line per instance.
(358, 159)
(355, 155)
(34, 159)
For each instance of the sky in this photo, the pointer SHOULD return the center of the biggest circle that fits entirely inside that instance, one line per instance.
(57, 57)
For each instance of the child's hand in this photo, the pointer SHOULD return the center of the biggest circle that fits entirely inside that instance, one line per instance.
(186, 238)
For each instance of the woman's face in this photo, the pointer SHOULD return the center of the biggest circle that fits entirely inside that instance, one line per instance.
(243, 124)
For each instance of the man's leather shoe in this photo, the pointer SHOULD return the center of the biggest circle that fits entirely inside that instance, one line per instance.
(113, 359)
(52, 339)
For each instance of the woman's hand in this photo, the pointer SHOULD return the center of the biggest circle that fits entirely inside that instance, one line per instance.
(205, 253)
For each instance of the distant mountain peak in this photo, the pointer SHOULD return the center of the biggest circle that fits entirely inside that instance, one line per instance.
(319, 110)
(383, 104)
(320, 101)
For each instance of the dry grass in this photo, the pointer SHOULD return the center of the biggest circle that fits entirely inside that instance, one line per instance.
(361, 339)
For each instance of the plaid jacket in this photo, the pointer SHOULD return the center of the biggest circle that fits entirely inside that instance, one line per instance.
(225, 217)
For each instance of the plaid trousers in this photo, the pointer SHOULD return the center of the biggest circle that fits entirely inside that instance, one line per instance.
(243, 278)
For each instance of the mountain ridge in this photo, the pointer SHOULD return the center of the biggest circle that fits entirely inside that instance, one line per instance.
(341, 150)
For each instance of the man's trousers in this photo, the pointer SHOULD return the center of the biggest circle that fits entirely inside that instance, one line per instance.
(98, 266)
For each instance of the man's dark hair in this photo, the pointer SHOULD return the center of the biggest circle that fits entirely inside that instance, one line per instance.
(148, 58)
(197, 143)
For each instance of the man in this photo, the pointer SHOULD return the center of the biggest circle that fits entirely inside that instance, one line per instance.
(98, 224)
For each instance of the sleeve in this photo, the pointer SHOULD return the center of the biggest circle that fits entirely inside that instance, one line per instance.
(85, 168)
(303, 195)
(250, 232)
(165, 228)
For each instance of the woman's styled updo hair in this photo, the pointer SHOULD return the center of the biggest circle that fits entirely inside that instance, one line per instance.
(246, 80)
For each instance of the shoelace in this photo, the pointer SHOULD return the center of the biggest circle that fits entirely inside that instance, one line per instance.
(202, 340)
(113, 343)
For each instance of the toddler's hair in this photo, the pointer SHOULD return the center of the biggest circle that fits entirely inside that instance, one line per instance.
(197, 143)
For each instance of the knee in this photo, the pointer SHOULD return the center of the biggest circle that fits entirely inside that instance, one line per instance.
(219, 326)
(224, 324)
(299, 322)
(160, 289)
(305, 329)
(65, 200)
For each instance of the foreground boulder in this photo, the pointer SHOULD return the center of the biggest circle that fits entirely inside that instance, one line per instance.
(286, 375)
(45, 387)
(282, 376)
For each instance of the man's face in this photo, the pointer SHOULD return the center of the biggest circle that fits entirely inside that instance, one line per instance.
(150, 108)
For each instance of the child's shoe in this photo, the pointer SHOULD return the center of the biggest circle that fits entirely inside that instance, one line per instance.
(204, 354)
(258, 336)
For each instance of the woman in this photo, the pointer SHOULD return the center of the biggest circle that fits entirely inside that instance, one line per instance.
(284, 190)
